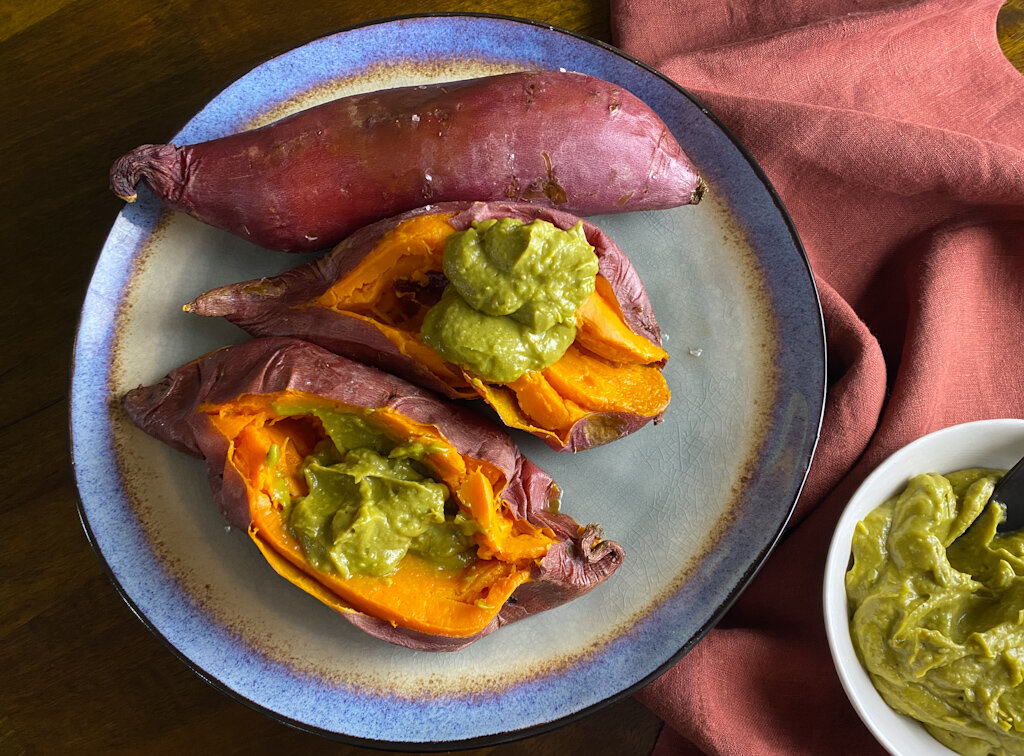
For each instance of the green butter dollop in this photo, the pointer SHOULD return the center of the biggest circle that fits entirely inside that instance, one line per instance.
(371, 502)
(511, 301)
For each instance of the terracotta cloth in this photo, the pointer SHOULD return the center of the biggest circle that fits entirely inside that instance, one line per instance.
(894, 134)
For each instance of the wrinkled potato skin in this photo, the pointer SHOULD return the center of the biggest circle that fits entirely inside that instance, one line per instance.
(574, 565)
(550, 138)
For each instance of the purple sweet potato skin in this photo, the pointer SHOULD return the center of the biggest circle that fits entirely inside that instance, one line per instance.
(272, 306)
(304, 183)
(167, 410)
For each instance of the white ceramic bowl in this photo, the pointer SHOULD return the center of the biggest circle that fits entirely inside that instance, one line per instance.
(985, 443)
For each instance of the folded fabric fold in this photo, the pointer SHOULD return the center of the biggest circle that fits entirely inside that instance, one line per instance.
(894, 133)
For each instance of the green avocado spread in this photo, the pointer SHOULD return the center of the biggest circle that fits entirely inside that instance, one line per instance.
(936, 600)
(512, 296)
(371, 502)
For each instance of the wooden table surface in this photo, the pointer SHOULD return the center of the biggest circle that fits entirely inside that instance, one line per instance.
(82, 81)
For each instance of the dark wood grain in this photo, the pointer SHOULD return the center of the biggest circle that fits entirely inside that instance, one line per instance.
(82, 81)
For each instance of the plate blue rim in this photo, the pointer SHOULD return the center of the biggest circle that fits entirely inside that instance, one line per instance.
(795, 423)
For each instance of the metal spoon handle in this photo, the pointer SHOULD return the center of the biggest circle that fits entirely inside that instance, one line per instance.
(1009, 492)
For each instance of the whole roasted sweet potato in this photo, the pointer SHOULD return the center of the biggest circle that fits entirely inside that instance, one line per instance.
(305, 182)
(367, 299)
(270, 415)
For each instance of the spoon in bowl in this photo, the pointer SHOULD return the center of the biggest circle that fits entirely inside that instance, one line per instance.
(1009, 492)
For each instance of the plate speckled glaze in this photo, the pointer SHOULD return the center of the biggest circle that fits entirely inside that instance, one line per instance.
(697, 501)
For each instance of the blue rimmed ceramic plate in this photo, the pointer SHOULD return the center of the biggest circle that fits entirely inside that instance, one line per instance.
(697, 501)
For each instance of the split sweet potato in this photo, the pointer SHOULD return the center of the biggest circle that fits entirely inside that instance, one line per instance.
(250, 411)
(367, 299)
(303, 183)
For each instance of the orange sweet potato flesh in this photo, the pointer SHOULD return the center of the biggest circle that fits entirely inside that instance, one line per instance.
(596, 384)
(601, 329)
(407, 258)
(409, 253)
(419, 595)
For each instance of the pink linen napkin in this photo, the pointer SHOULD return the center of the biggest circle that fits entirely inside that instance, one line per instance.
(894, 132)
